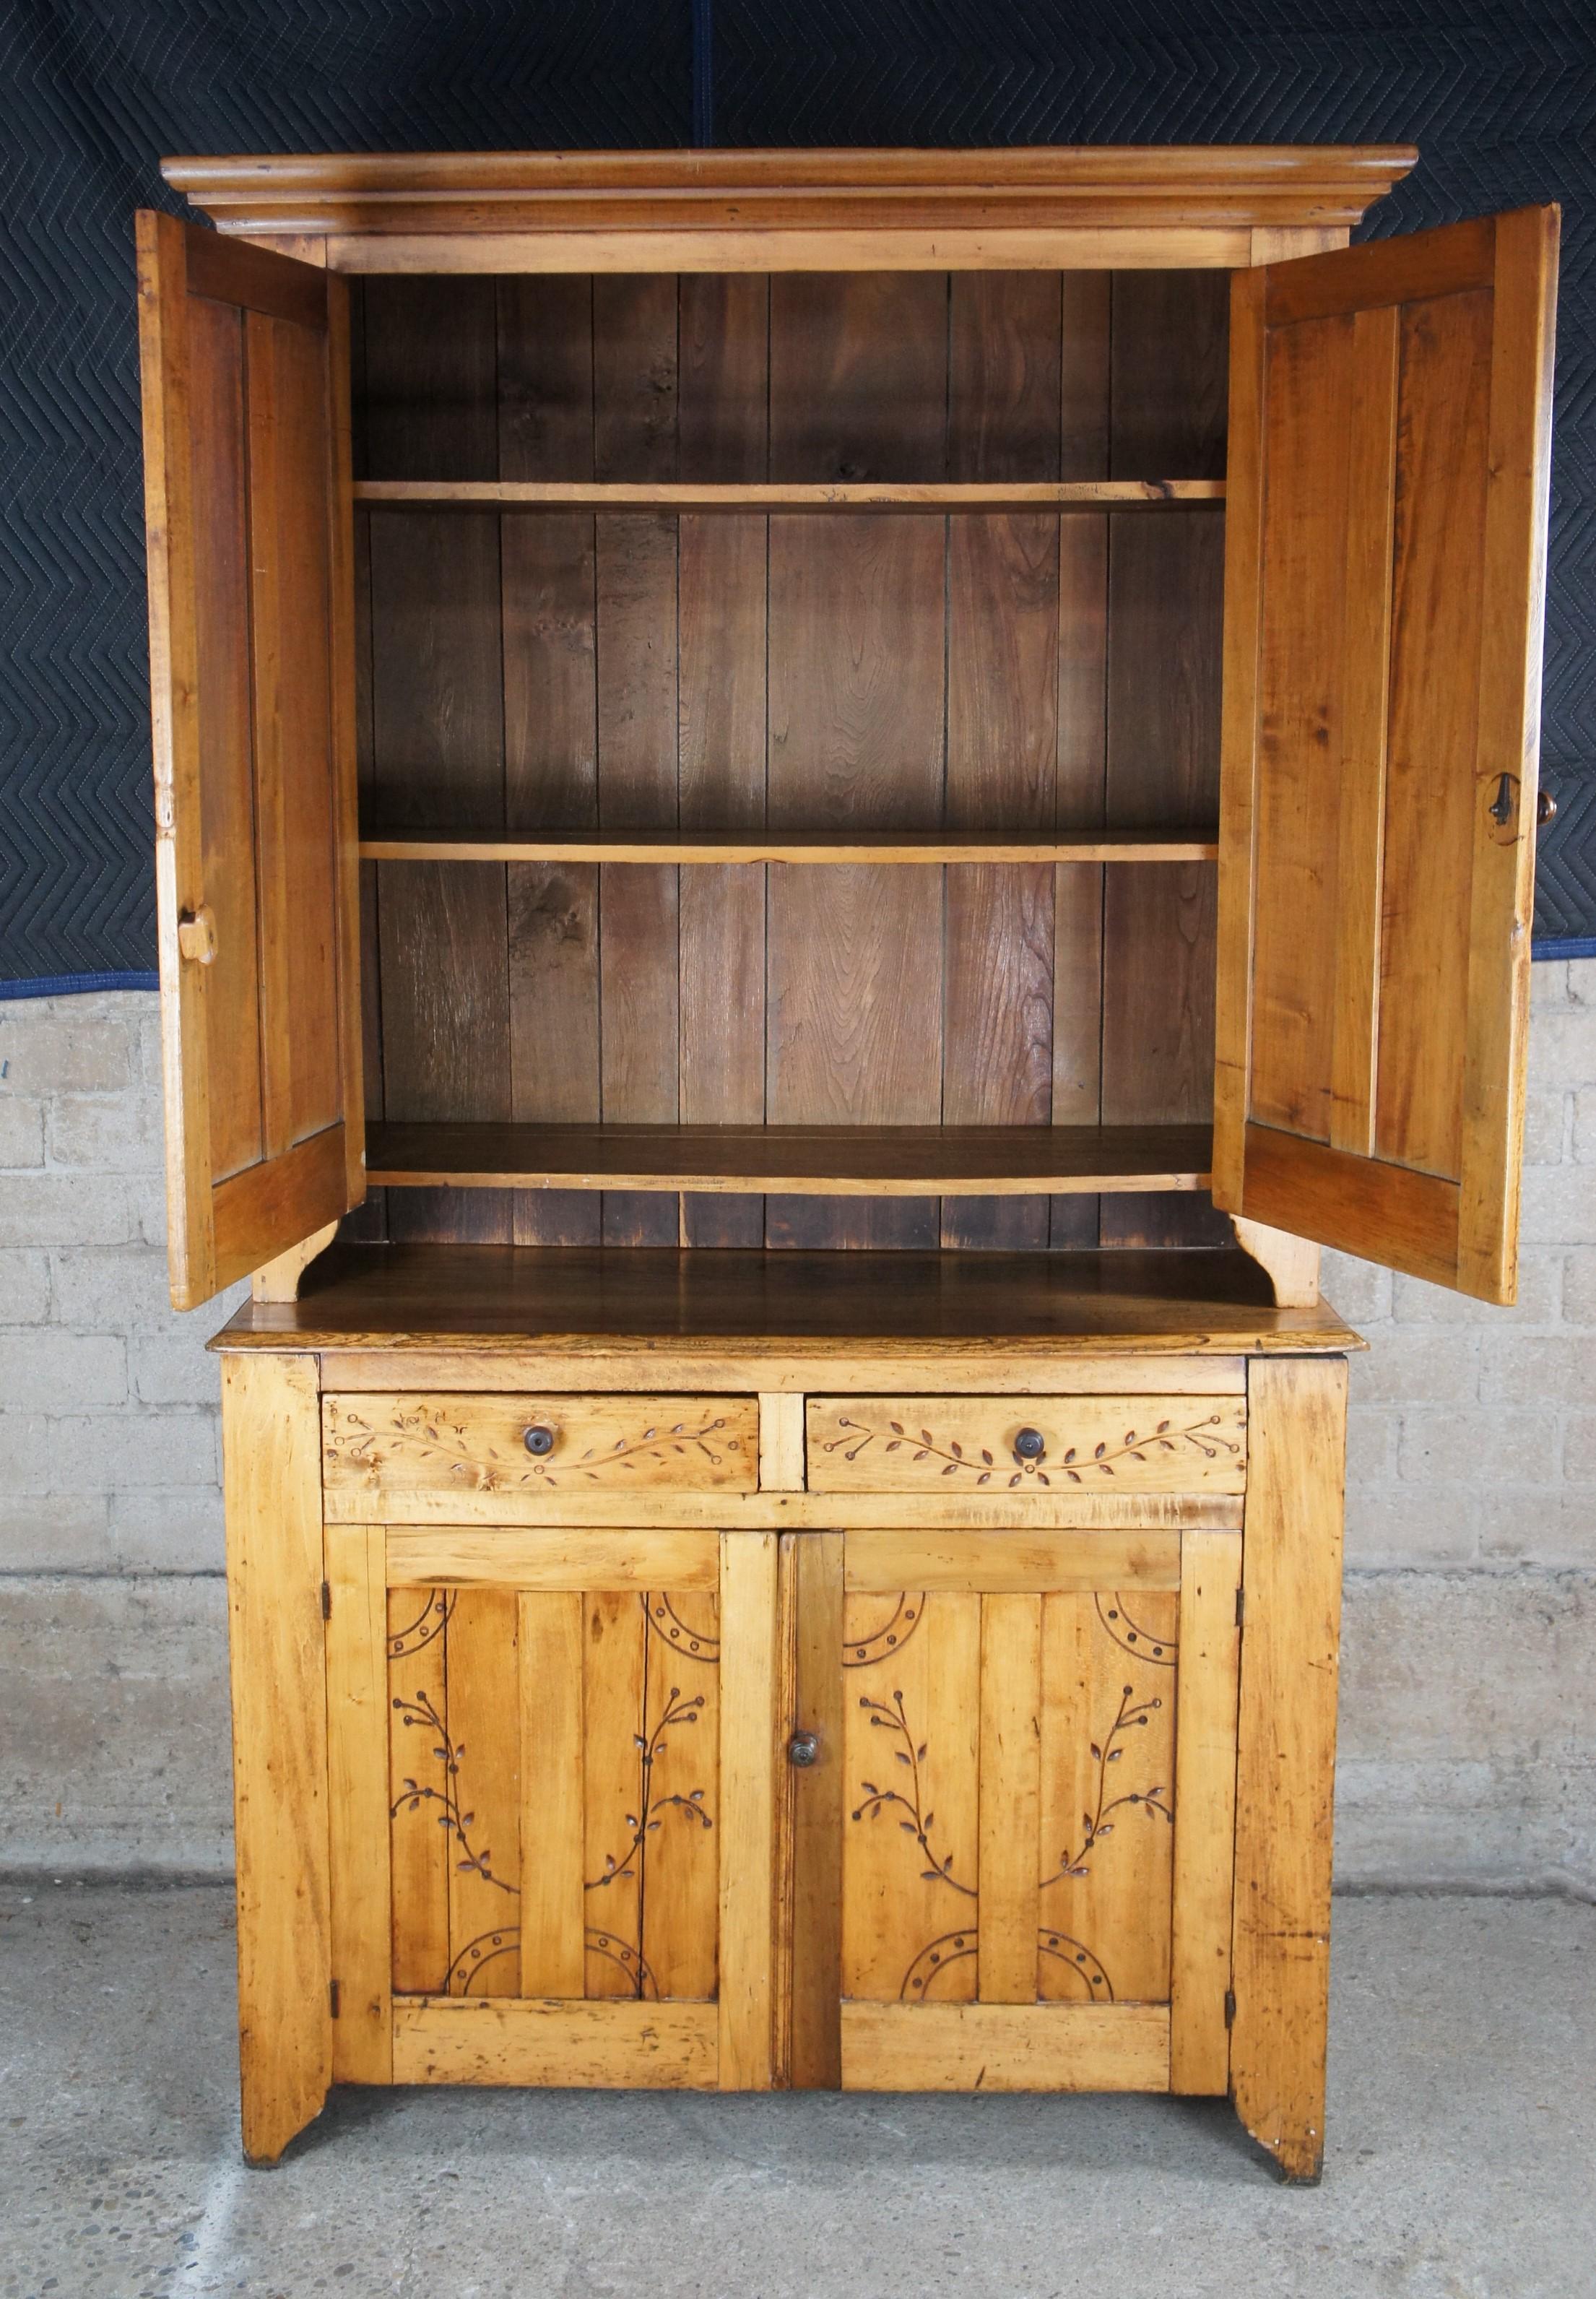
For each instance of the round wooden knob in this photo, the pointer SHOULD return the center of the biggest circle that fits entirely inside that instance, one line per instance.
(539, 1439)
(803, 1749)
(1546, 807)
(1029, 1445)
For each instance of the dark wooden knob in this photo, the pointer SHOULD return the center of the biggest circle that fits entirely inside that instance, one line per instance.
(1029, 1445)
(803, 1749)
(1546, 807)
(539, 1439)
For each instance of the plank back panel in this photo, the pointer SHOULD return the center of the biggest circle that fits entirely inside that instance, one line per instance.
(870, 671)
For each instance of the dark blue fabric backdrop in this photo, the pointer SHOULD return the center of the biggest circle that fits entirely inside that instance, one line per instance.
(1502, 97)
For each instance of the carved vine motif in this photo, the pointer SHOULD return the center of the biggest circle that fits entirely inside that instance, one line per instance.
(435, 1437)
(1098, 1824)
(452, 1817)
(891, 1636)
(631, 1864)
(1204, 1436)
(890, 1717)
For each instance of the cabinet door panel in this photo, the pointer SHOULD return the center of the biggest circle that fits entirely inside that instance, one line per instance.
(562, 1815)
(244, 358)
(1017, 1870)
(1390, 441)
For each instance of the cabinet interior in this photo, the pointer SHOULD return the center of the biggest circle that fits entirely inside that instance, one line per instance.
(878, 688)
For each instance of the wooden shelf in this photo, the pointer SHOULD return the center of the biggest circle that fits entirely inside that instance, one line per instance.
(870, 846)
(796, 1160)
(856, 496)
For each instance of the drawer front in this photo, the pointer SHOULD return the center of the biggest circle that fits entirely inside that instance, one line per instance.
(1086, 1444)
(521, 1445)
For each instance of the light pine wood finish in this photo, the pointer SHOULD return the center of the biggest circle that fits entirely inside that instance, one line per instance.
(587, 1555)
(464, 1445)
(357, 1706)
(1010, 1845)
(272, 1491)
(279, 1280)
(816, 847)
(945, 1444)
(1006, 2047)
(1210, 1641)
(1286, 1751)
(750, 1725)
(1390, 443)
(553, 1926)
(1077, 1560)
(780, 1442)
(669, 497)
(594, 2045)
(1291, 1263)
(246, 385)
(446, 1523)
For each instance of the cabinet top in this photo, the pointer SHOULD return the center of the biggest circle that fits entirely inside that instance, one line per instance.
(1003, 196)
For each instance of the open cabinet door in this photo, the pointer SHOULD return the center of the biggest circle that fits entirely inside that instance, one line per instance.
(1390, 435)
(245, 372)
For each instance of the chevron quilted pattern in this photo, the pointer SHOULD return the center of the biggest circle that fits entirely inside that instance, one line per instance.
(1501, 96)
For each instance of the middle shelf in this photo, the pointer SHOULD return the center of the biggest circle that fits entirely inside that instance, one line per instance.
(796, 1160)
(833, 846)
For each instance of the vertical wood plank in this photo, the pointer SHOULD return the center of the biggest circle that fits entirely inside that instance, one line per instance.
(1285, 1752)
(635, 437)
(1497, 1042)
(356, 1698)
(1169, 364)
(748, 1806)
(1085, 396)
(271, 1474)
(545, 384)
(438, 729)
(553, 1950)
(856, 733)
(484, 1853)
(418, 1848)
(781, 1442)
(819, 1816)
(347, 676)
(1011, 1719)
(1204, 1812)
(911, 1756)
(724, 425)
(615, 1731)
(681, 1849)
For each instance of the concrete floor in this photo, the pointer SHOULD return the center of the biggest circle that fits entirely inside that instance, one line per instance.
(1462, 2130)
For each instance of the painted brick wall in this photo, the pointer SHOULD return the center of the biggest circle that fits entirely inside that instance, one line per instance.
(1468, 1714)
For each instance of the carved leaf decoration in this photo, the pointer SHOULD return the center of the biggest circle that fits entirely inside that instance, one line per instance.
(985, 1457)
(897, 1428)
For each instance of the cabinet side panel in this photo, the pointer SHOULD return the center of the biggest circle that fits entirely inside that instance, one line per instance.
(271, 1449)
(1286, 1752)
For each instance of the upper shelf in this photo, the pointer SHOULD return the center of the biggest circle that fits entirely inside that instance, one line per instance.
(833, 846)
(856, 496)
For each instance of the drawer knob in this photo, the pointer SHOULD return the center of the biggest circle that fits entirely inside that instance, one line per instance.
(1029, 1445)
(803, 1749)
(539, 1439)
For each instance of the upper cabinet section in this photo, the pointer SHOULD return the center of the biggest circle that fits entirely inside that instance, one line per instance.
(1390, 436)
(247, 444)
(1091, 207)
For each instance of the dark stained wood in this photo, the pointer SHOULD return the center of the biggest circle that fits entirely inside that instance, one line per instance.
(723, 428)
(1025, 848)
(438, 731)
(1169, 365)
(859, 390)
(1211, 1304)
(845, 497)
(545, 413)
(810, 1159)
(1002, 643)
(635, 437)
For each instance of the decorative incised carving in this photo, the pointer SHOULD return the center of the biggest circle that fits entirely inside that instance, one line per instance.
(1205, 1435)
(1098, 1824)
(891, 1636)
(437, 1439)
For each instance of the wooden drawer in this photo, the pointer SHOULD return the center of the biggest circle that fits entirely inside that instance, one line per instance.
(1098, 1444)
(407, 1443)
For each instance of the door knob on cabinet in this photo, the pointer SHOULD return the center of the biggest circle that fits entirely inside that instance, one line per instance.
(196, 935)
(1029, 1445)
(1546, 807)
(539, 1439)
(803, 1749)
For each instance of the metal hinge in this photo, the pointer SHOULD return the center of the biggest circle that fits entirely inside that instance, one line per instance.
(1241, 1605)
(332, 1990)
(326, 1600)
(1229, 2007)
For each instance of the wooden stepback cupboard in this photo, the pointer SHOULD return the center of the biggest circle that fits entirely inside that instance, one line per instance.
(838, 804)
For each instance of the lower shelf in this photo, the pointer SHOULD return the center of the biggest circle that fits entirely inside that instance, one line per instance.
(796, 1160)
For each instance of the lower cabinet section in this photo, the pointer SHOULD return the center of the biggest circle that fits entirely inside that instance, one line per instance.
(735, 1810)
